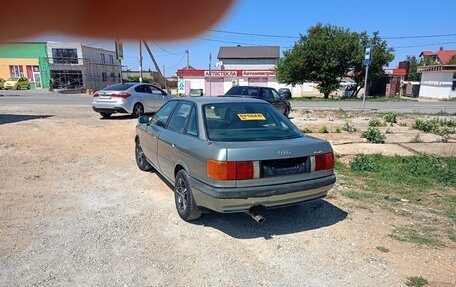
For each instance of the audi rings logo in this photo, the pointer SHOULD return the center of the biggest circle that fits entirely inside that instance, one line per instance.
(284, 152)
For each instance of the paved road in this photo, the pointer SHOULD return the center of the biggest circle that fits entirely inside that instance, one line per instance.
(40, 97)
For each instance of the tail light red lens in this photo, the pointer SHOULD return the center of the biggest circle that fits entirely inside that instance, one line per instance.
(95, 95)
(121, 95)
(230, 170)
(324, 161)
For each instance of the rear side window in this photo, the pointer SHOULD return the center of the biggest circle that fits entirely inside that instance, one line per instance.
(161, 117)
(142, 89)
(179, 118)
(192, 128)
(239, 122)
(118, 87)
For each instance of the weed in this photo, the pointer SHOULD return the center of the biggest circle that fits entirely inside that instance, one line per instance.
(338, 130)
(323, 130)
(422, 235)
(383, 249)
(452, 235)
(390, 118)
(416, 281)
(437, 126)
(417, 139)
(306, 131)
(348, 127)
(373, 135)
(376, 123)
(388, 131)
(403, 124)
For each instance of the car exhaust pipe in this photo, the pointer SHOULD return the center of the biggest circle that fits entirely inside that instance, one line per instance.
(258, 218)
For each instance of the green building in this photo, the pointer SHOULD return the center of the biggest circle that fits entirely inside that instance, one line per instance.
(26, 59)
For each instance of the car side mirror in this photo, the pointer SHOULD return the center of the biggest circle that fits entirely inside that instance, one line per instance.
(143, 119)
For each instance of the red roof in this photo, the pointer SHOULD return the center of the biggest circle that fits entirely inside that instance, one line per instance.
(443, 55)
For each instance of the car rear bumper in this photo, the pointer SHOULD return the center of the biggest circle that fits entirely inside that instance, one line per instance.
(110, 110)
(242, 199)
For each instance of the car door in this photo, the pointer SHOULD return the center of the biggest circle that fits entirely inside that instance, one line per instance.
(149, 140)
(145, 97)
(279, 102)
(160, 97)
(172, 139)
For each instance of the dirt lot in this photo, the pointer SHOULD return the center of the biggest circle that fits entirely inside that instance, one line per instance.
(75, 210)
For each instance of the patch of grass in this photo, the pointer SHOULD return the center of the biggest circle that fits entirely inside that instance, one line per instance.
(348, 127)
(306, 131)
(365, 163)
(416, 281)
(421, 235)
(376, 123)
(323, 130)
(388, 131)
(452, 235)
(373, 135)
(382, 249)
(338, 130)
(438, 126)
(357, 195)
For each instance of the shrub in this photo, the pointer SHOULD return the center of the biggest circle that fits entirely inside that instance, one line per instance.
(323, 130)
(416, 282)
(437, 126)
(348, 127)
(373, 135)
(390, 118)
(364, 162)
(306, 131)
(338, 130)
(375, 123)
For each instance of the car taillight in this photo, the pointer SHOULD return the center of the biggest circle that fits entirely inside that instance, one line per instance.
(95, 95)
(324, 161)
(121, 95)
(232, 170)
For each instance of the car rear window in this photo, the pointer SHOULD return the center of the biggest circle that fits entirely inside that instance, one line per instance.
(118, 87)
(240, 122)
(243, 91)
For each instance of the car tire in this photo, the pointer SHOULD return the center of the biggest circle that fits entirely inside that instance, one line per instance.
(183, 197)
(138, 110)
(141, 159)
(105, 115)
(28, 87)
(287, 112)
(17, 87)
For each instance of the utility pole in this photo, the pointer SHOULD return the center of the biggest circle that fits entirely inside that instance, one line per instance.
(140, 62)
(188, 59)
(210, 74)
(156, 66)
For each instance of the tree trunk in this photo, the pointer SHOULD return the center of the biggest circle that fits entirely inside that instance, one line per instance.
(326, 95)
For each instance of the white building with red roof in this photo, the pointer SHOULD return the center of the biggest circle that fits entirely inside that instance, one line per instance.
(438, 74)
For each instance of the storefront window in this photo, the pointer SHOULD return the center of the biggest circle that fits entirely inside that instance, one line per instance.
(65, 56)
(16, 71)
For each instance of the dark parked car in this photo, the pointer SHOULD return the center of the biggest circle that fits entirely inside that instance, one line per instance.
(285, 92)
(231, 154)
(264, 93)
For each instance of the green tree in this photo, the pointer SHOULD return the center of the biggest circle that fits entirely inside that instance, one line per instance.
(381, 54)
(452, 61)
(413, 69)
(324, 55)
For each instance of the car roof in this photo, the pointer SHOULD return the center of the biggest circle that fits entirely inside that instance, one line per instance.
(218, 100)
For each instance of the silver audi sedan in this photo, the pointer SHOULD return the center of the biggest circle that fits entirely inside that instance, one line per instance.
(129, 98)
(231, 155)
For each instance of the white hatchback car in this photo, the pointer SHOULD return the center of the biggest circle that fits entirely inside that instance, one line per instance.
(129, 98)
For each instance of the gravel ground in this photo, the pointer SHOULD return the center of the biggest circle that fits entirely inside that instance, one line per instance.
(75, 210)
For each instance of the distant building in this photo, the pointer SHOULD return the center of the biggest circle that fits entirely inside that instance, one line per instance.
(238, 66)
(438, 77)
(25, 59)
(73, 66)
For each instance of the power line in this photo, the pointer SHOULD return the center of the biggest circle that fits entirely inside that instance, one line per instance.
(297, 37)
(255, 34)
(232, 42)
(423, 45)
(166, 51)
